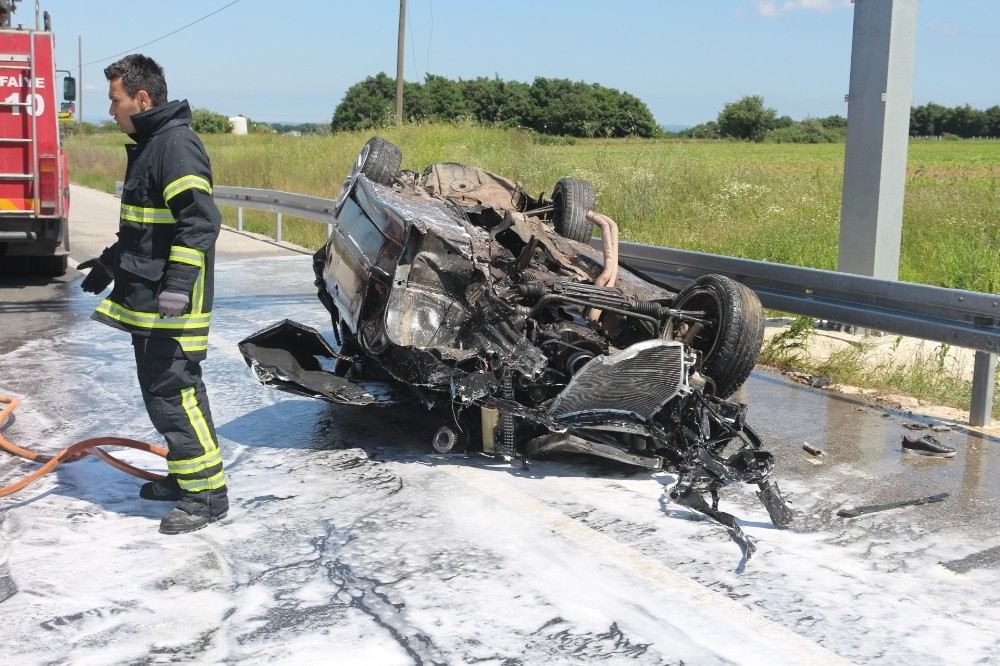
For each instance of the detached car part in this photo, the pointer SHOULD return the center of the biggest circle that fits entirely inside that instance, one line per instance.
(856, 511)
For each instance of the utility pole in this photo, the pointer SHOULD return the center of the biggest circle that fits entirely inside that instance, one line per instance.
(399, 62)
(79, 83)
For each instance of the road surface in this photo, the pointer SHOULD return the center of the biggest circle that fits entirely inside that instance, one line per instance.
(351, 541)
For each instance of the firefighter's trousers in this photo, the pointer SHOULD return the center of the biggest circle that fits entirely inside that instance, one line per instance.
(177, 404)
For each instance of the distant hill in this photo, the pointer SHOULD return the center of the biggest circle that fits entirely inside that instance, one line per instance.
(674, 128)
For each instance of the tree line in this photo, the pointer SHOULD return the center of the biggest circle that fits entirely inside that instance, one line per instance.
(566, 108)
(548, 106)
(749, 119)
(962, 121)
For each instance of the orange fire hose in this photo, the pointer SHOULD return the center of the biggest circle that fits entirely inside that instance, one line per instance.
(70, 453)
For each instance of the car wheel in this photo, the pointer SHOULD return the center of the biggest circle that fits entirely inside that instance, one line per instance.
(731, 342)
(571, 200)
(381, 160)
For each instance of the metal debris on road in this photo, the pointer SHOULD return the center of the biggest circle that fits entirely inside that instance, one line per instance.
(875, 508)
(809, 448)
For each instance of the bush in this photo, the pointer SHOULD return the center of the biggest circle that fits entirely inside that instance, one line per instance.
(709, 130)
(809, 130)
(204, 121)
(747, 118)
(834, 122)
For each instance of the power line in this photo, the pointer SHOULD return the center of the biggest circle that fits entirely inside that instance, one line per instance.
(413, 53)
(430, 37)
(172, 32)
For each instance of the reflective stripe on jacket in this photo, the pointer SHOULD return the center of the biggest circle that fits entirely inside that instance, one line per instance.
(167, 231)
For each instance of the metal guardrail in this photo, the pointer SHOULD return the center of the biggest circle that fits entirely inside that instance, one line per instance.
(277, 202)
(953, 316)
(961, 318)
(280, 203)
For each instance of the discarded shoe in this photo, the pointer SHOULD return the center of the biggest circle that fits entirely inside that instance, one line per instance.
(927, 446)
(194, 511)
(161, 491)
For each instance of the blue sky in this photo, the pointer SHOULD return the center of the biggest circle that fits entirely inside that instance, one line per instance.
(293, 60)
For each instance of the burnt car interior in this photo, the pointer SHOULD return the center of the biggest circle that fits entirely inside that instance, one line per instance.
(455, 288)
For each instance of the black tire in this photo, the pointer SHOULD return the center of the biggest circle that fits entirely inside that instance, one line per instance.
(729, 346)
(572, 199)
(53, 266)
(382, 161)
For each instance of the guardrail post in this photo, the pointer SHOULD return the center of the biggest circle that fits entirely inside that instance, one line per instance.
(983, 379)
(239, 218)
(277, 227)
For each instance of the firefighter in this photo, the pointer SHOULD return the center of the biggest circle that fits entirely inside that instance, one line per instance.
(162, 269)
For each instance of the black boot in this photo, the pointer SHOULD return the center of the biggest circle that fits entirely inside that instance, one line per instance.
(195, 510)
(161, 491)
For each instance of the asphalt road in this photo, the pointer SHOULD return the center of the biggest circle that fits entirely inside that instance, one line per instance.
(350, 541)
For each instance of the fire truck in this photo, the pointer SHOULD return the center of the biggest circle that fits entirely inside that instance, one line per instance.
(34, 183)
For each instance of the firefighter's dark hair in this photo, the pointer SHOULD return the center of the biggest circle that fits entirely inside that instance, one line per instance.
(139, 72)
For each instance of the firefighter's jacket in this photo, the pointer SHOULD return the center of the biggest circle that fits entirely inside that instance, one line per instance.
(167, 231)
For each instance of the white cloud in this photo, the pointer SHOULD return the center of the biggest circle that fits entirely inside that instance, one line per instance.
(778, 7)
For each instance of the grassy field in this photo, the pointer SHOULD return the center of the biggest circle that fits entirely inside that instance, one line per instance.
(774, 202)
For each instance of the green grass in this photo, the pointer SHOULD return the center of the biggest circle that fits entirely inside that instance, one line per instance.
(928, 374)
(774, 202)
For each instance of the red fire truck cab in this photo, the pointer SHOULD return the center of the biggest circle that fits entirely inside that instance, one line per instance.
(34, 183)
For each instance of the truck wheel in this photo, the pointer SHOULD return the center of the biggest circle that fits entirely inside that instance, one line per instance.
(571, 199)
(731, 341)
(380, 161)
(51, 266)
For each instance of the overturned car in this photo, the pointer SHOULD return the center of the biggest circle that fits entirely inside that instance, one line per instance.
(456, 288)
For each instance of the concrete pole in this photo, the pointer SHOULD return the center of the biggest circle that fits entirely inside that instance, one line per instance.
(399, 62)
(878, 131)
(878, 123)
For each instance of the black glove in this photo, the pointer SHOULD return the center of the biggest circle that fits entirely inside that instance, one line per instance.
(171, 304)
(99, 277)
